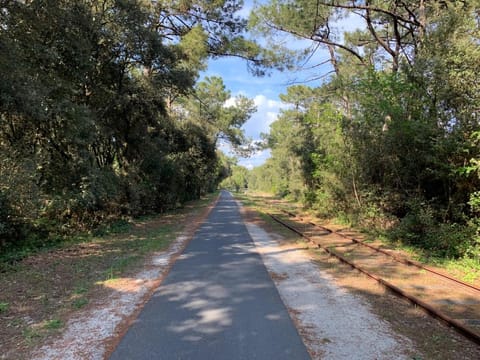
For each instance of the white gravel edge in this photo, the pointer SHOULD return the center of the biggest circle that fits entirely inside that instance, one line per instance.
(86, 334)
(333, 323)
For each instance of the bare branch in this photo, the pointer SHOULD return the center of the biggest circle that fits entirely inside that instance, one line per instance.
(309, 57)
(315, 78)
(317, 65)
(375, 35)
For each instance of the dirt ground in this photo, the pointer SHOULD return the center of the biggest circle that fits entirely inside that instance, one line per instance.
(45, 292)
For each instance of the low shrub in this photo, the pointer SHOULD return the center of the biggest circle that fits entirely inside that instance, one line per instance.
(422, 228)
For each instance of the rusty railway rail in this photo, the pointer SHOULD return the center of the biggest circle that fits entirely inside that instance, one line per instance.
(396, 258)
(433, 311)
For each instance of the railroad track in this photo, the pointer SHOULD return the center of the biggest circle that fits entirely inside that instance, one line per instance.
(451, 300)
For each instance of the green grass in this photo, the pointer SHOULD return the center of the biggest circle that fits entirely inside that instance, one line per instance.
(466, 269)
(79, 303)
(119, 266)
(157, 240)
(31, 335)
(53, 324)
(80, 289)
(133, 248)
(4, 306)
(470, 268)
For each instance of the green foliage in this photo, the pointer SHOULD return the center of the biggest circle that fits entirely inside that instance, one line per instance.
(207, 108)
(116, 227)
(88, 124)
(422, 228)
(267, 178)
(4, 307)
(237, 180)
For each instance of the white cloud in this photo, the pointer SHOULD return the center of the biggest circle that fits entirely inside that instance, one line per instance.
(267, 112)
(230, 102)
(271, 117)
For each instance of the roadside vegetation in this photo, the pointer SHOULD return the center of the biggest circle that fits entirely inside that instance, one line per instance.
(390, 140)
(102, 116)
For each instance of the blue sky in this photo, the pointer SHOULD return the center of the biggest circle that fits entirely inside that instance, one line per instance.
(265, 91)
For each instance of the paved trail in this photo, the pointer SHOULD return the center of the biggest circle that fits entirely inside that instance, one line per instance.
(218, 302)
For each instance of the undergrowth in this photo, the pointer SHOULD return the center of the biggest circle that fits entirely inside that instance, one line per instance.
(36, 243)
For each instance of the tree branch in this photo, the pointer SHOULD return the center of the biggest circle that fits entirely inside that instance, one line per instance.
(317, 39)
(375, 35)
(370, 8)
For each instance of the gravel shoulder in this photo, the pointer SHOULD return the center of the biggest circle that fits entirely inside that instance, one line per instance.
(335, 324)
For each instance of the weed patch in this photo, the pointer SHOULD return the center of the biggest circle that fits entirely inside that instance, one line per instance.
(31, 335)
(53, 324)
(4, 307)
(79, 303)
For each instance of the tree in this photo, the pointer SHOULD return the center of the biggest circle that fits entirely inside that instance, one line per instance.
(390, 134)
(208, 106)
(237, 179)
(87, 130)
(393, 30)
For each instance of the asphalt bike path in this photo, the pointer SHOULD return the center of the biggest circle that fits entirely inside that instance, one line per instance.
(217, 302)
